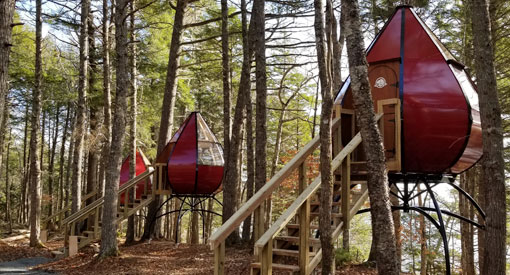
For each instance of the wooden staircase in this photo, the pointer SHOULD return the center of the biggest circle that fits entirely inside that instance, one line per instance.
(89, 217)
(291, 244)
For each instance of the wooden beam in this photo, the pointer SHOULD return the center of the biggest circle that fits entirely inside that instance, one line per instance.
(346, 198)
(304, 225)
(219, 259)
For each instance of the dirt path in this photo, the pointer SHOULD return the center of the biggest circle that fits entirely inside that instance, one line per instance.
(22, 266)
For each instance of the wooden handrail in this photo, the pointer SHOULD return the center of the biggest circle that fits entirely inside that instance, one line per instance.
(305, 195)
(68, 207)
(89, 208)
(265, 192)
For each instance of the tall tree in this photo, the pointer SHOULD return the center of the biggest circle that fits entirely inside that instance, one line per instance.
(467, 180)
(35, 168)
(107, 99)
(259, 44)
(232, 168)
(80, 127)
(6, 17)
(109, 226)
(167, 112)
(130, 233)
(225, 70)
(323, 44)
(382, 221)
(493, 164)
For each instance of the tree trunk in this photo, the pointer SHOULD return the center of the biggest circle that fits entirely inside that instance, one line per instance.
(25, 179)
(225, 76)
(79, 130)
(423, 239)
(466, 229)
(95, 113)
(130, 233)
(397, 229)
(51, 165)
(250, 165)
(259, 44)
(323, 45)
(35, 179)
(167, 112)
(492, 162)
(69, 161)
(60, 203)
(194, 228)
(6, 17)
(109, 226)
(8, 218)
(231, 167)
(107, 99)
(382, 221)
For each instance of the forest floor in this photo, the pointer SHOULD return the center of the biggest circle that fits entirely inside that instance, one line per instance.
(156, 257)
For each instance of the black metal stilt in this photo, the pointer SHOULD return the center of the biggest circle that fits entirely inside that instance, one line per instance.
(442, 229)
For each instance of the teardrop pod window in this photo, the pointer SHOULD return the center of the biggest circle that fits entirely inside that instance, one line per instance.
(195, 164)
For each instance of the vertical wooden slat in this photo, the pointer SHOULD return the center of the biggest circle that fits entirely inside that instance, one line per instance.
(267, 258)
(346, 197)
(304, 224)
(219, 259)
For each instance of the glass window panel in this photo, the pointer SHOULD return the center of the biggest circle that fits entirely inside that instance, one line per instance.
(204, 133)
(210, 154)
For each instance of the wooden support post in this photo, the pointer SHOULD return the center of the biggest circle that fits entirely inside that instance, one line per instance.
(304, 225)
(267, 258)
(96, 223)
(219, 259)
(44, 236)
(73, 245)
(346, 199)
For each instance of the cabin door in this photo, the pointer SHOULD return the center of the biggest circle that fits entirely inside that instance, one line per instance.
(384, 84)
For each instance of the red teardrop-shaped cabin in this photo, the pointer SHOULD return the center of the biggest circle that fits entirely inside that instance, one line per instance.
(435, 104)
(141, 166)
(195, 163)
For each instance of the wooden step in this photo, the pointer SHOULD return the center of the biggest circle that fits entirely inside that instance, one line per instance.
(333, 215)
(317, 203)
(295, 239)
(312, 226)
(287, 252)
(280, 267)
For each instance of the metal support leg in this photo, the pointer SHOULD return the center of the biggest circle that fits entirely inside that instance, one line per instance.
(442, 229)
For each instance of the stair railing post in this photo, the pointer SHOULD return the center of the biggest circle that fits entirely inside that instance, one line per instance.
(267, 258)
(346, 199)
(219, 259)
(304, 224)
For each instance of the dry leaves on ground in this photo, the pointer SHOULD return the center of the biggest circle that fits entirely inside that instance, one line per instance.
(157, 257)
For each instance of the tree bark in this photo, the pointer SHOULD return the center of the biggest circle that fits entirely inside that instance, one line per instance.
(35, 179)
(109, 226)
(51, 165)
(130, 233)
(6, 17)
(225, 60)
(8, 218)
(382, 221)
(232, 172)
(250, 165)
(466, 230)
(79, 130)
(167, 112)
(492, 162)
(323, 45)
(60, 203)
(423, 239)
(107, 99)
